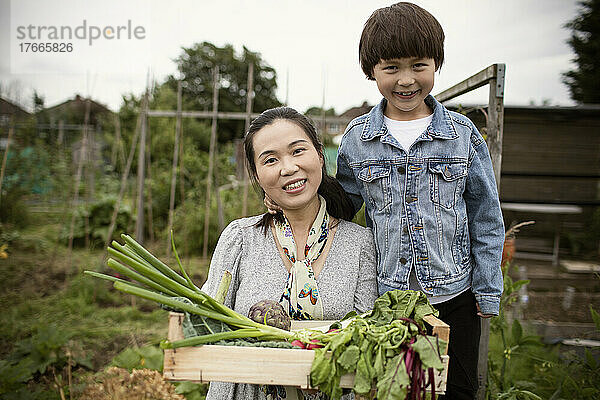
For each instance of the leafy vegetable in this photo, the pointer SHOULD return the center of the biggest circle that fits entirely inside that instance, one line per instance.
(387, 348)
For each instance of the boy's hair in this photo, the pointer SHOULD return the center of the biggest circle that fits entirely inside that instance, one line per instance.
(398, 31)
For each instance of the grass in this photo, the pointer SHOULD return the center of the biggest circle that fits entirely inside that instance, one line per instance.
(41, 288)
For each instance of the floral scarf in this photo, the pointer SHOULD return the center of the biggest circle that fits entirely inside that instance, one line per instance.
(301, 296)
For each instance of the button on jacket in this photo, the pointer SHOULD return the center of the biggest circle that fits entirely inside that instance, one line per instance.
(434, 209)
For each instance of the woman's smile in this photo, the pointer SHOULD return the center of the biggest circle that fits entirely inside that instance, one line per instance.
(296, 186)
(288, 166)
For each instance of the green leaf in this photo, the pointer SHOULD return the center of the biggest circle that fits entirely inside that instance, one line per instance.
(517, 331)
(595, 317)
(531, 340)
(428, 353)
(128, 359)
(362, 378)
(321, 367)
(151, 357)
(394, 383)
(349, 357)
(590, 360)
(379, 364)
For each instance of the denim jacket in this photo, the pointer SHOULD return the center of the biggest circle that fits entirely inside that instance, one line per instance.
(435, 209)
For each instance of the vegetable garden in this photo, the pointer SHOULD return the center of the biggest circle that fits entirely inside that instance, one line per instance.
(67, 335)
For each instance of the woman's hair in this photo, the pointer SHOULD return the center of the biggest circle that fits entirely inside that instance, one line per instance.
(339, 204)
(398, 31)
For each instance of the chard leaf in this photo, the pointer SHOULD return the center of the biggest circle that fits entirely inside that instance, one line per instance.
(338, 342)
(362, 379)
(366, 350)
(397, 304)
(379, 364)
(326, 375)
(349, 357)
(321, 368)
(394, 383)
(428, 353)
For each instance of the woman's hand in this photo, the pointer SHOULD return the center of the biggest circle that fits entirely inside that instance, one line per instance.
(272, 207)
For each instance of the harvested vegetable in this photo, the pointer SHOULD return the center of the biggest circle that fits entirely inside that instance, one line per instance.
(387, 348)
(270, 312)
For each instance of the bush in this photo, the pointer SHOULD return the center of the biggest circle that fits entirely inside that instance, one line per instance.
(99, 215)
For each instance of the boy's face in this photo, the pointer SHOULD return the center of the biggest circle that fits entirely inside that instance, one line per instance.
(405, 82)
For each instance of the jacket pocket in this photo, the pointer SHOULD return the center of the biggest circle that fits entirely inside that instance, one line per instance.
(376, 182)
(445, 181)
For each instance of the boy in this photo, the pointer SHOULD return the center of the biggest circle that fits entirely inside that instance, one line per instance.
(426, 178)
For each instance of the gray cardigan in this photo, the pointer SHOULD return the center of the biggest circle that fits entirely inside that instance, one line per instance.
(348, 280)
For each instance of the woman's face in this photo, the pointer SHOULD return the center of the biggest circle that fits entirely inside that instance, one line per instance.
(288, 167)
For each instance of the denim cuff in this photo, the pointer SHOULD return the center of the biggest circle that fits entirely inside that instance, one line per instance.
(489, 304)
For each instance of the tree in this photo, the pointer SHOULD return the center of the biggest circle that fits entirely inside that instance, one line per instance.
(318, 111)
(584, 81)
(38, 102)
(196, 65)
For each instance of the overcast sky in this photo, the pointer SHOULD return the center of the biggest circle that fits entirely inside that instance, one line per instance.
(313, 45)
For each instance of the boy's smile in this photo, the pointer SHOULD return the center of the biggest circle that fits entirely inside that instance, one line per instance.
(405, 83)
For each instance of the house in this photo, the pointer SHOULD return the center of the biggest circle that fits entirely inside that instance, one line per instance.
(9, 110)
(73, 112)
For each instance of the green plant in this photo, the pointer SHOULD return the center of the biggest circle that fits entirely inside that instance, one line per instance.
(47, 356)
(520, 366)
(511, 350)
(191, 390)
(150, 357)
(98, 214)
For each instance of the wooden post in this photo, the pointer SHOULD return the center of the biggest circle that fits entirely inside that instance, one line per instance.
(117, 147)
(495, 126)
(220, 212)
(249, 99)
(11, 131)
(149, 174)
(181, 170)
(87, 154)
(61, 133)
(139, 224)
(82, 154)
(124, 176)
(211, 155)
(174, 169)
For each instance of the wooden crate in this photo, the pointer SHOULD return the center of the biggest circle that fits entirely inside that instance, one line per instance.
(259, 365)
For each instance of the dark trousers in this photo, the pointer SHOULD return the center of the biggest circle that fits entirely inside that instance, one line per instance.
(461, 314)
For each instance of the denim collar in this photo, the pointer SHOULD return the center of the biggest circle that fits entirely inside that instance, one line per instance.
(441, 126)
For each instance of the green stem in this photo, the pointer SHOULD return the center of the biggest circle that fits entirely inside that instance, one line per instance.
(105, 277)
(154, 275)
(235, 320)
(129, 251)
(120, 268)
(155, 262)
(224, 288)
(185, 275)
(212, 338)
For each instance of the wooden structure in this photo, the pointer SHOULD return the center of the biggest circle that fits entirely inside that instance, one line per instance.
(550, 172)
(494, 77)
(261, 366)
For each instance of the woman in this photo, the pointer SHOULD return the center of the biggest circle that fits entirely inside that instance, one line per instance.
(309, 257)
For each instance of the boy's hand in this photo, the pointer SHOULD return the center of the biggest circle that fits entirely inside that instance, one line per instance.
(272, 207)
(482, 315)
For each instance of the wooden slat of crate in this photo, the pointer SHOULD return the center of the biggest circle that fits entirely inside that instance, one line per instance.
(261, 366)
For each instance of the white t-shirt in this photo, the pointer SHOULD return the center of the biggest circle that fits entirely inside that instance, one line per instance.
(406, 133)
